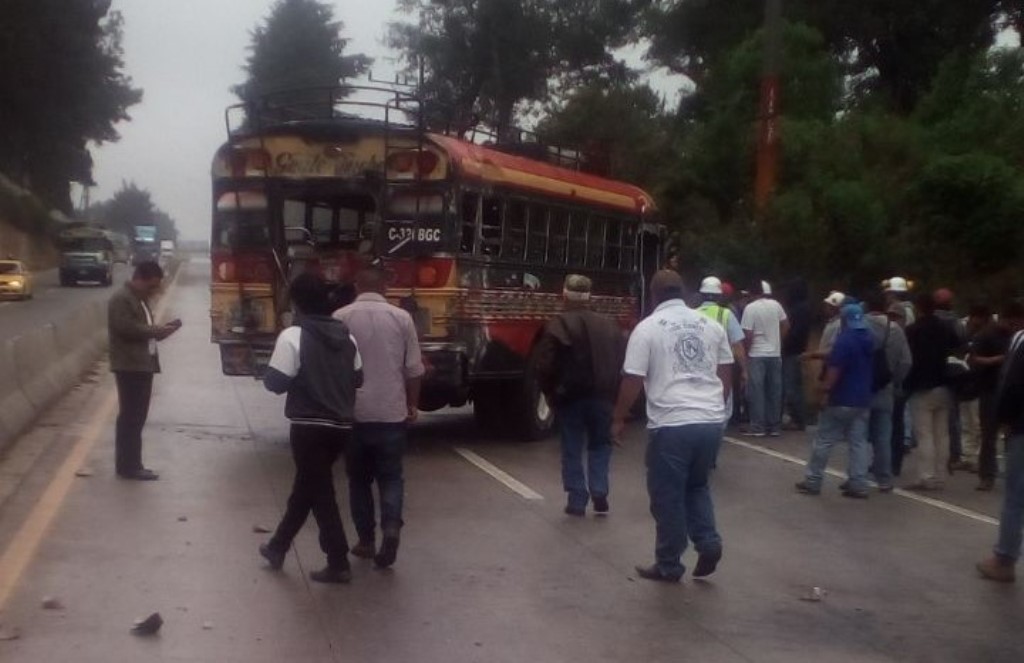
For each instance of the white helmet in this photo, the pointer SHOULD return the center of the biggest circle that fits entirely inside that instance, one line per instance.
(711, 285)
(766, 288)
(896, 284)
(835, 298)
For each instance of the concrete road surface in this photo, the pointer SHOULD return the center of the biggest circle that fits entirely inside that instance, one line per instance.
(51, 302)
(490, 569)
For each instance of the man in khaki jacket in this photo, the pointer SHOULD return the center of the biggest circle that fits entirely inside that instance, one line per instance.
(134, 360)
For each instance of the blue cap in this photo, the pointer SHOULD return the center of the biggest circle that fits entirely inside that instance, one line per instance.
(853, 315)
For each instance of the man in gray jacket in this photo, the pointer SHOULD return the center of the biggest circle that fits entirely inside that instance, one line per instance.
(898, 359)
(133, 360)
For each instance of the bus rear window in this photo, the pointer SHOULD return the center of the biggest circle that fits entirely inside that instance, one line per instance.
(241, 221)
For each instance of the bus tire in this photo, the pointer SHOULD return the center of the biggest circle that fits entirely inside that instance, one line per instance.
(532, 416)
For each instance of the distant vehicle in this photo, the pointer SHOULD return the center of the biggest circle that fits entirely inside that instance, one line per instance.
(15, 280)
(86, 254)
(144, 244)
(122, 247)
(478, 240)
(166, 249)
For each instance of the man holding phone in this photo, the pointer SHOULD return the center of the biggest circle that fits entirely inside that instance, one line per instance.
(133, 361)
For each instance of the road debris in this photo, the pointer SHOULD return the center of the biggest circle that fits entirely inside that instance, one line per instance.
(51, 603)
(815, 595)
(207, 626)
(260, 529)
(8, 633)
(84, 472)
(148, 626)
(182, 519)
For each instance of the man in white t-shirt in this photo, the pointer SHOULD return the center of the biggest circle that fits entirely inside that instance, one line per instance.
(765, 325)
(683, 361)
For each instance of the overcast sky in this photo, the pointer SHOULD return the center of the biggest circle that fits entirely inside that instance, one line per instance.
(186, 55)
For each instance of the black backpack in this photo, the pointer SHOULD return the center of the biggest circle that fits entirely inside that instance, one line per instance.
(881, 374)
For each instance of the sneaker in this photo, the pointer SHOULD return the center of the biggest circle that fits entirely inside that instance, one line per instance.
(996, 569)
(856, 494)
(388, 549)
(600, 505)
(885, 488)
(332, 576)
(751, 432)
(844, 485)
(275, 558)
(652, 572)
(807, 489)
(774, 433)
(365, 549)
(577, 511)
(707, 563)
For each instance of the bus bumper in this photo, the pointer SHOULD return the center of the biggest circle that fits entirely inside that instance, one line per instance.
(444, 382)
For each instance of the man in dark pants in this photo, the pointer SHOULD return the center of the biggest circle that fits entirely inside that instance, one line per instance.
(134, 360)
(987, 355)
(579, 358)
(385, 405)
(316, 362)
(683, 361)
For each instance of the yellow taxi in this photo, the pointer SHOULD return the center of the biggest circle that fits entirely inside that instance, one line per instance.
(15, 280)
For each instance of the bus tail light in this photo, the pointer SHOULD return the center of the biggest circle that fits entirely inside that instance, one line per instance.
(433, 272)
(245, 268)
(412, 162)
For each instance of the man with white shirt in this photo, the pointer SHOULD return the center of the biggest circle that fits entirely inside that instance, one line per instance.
(682, 360)
(765, 325)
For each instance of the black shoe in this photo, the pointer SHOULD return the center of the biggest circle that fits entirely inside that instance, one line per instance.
(652, 572)
(275, 558)
(577, 511)
(332, 576)
(365, 549)
(855, 494)
(388, 550)
(844, 485)
(140, 475)
(601, 505)
(707, 563)
(807, 489)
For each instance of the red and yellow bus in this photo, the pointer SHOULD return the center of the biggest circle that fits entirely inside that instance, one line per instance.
(478, 240)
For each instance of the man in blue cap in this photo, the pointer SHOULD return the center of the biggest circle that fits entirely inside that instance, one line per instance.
(847, 384)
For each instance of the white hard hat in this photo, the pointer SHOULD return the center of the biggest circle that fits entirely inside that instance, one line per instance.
(896, 284)
(711, 285)
(766, 288)
(835, 298)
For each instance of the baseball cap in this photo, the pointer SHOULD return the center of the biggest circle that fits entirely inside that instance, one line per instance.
(727, 289)
(835, 298)
(711, 285)
(853, 315)
(577, 287)
(896, 284)
(943, 297)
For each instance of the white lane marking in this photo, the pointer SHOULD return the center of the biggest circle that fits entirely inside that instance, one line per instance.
(938, 504)
(499, 474)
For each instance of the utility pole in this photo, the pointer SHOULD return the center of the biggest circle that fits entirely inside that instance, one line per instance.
(768, 138)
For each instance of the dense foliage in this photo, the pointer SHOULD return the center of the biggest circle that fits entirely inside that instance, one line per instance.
(61, 86)
(132, 206)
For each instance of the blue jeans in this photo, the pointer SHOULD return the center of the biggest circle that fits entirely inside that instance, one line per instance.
(375, 454)
(1012, 519)
(679, 460)
(765, 394)
(836, 424)
(586, 424)
(880, 437)
(793, 389)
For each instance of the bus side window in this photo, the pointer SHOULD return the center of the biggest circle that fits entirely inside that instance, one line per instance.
(513, 242)
(558, 237)
(613, 244)
(490, 227)
(537, 238)
(323, 224)
(469, 213)
(577, 239)
(629, 239)
(595, 242)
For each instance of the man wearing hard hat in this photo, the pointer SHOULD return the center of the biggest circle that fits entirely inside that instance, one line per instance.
(897, 290)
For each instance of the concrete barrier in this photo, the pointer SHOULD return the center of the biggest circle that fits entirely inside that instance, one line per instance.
(37, 368)
(16, 412)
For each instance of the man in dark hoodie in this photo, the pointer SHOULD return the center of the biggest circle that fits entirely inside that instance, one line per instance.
(316, 362)
(579, 359)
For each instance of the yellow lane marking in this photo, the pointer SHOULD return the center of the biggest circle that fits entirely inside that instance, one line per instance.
(22, 549)
(938, 504)
(500, 475)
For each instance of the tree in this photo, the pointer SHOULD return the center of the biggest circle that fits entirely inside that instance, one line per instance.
(483, 58)
(298, 46)
(59, 92)
(133, 206)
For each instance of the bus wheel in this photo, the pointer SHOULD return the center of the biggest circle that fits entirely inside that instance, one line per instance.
(533, 416)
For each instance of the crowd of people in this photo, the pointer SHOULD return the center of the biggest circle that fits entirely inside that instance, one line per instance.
(894, 374)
